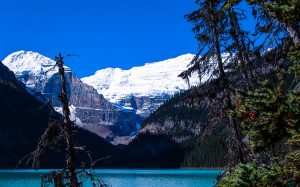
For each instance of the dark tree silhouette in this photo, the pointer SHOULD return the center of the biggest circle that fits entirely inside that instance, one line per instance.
(67, 124)
(211, 25)
(62, 132)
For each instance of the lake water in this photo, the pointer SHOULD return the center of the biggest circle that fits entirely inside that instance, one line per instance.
(123, 178)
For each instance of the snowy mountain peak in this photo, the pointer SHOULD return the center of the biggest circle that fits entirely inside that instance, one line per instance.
(31, 68)
(152, 79)
(27, 60)
(30, 62)
(133, 93)
(179, 59)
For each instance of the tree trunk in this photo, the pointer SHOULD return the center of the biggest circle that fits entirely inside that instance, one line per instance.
(292, 32)
(225, 83)
(235, 29)
(217, 45)
(236, 140)
(67, 125)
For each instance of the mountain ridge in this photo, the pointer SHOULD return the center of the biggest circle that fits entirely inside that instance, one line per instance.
(156, 81)
(89, 109)
(163, 68)
(136, 92)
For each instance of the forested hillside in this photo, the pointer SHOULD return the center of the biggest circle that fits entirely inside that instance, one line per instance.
(249, 108)
(183, 120)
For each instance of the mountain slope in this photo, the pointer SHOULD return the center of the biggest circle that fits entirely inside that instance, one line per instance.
(142, 88)
(89, 109)
(183, 119)
(23, 119)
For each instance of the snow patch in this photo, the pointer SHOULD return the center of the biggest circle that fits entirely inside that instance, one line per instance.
(152, 79)
(31, 64)
(73, 117)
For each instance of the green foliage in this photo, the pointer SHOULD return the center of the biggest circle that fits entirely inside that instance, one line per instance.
(270, 117)
(276, 20)
(283, 172)
(269, 114)
(244, 175)
(294, 55)
(269, 111)
(285, 11)
(175, 111)
(208, 22)
(210, 152)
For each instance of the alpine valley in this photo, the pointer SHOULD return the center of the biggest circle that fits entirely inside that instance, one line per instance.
(113, 102)
(144, 117)
(24, 118)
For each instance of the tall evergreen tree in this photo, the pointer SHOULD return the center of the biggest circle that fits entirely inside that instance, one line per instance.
(270, 115)
(239, 40)
(210, 24)
(208, 21)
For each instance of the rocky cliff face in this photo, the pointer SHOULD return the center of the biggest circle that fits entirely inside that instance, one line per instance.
(37, 73)
(113, 102)
(23, 119)
(89, 109)
(143, 88)
(143, 105)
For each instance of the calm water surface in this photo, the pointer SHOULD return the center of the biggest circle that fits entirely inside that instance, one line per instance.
(123, 178)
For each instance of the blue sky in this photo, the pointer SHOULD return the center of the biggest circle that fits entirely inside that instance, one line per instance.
(105, 33)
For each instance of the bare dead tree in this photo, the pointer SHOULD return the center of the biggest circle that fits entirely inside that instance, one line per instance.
(67, 124)
(56, 132)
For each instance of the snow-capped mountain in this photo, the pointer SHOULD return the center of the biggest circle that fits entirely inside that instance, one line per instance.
(89, 109)
(31, 68)
(142, 88)
(113, 102)
(37, 73)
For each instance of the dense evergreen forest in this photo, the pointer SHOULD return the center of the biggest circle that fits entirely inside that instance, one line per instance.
(175, 111)
(208, 152)
(254, 93)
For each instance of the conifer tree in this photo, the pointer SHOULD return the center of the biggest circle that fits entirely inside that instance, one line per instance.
(208, 21)
(274, 15)
(210, 24)
(239, 41)
(270, 115)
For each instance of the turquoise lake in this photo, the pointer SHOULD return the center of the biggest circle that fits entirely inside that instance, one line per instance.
(123, 178)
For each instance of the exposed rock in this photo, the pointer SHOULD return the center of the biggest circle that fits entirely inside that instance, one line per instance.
(23, 119)
(89, 107)
(143, 88)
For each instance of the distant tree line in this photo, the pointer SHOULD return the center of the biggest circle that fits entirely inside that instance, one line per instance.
(210, 152)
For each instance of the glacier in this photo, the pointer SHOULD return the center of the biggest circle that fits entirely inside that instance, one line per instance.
(156, 81)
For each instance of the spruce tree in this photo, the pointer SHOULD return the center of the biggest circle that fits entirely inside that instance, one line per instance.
(208, 26)
(238, 42)
(276, 15)
(270, 115)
